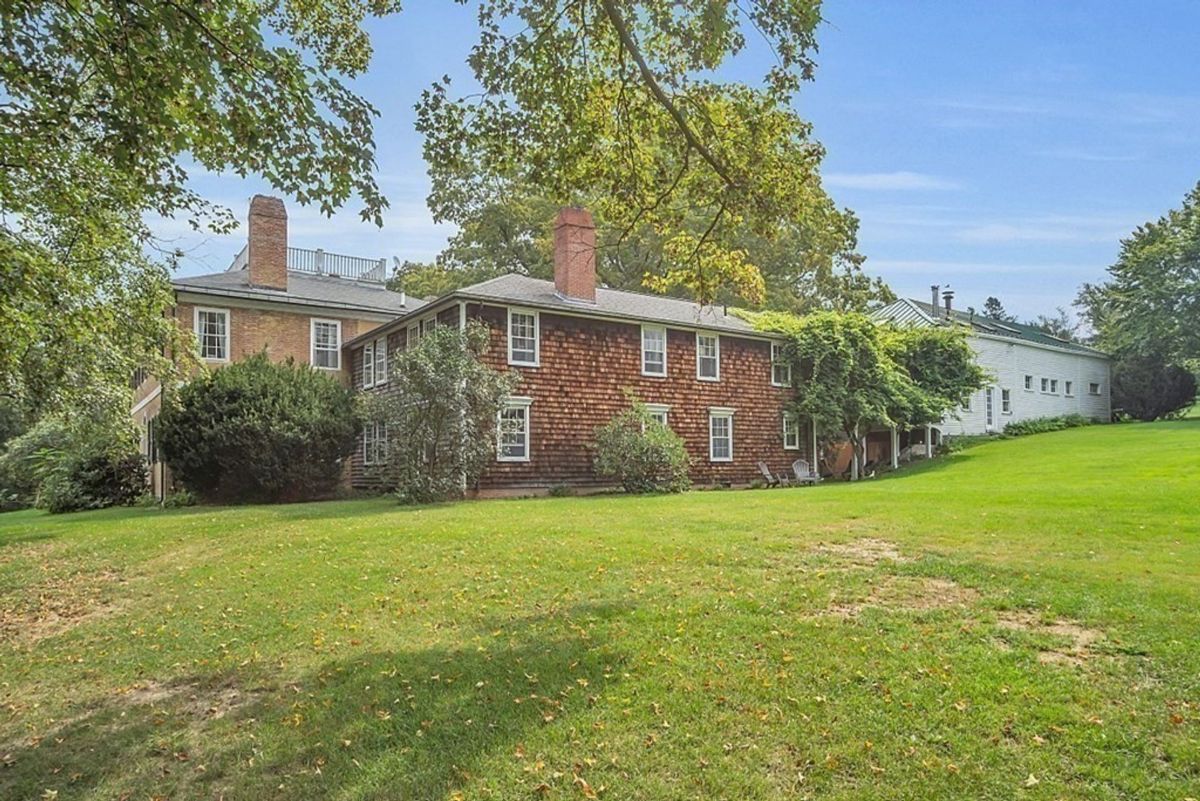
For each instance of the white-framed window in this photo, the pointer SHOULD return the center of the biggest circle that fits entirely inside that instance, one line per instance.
(1053, 386)
(1006, 401)
(720, 434)
(375, 443)
(1069, 388)
(658, 412)
(791, 432)
(512, 431)
(989, 407)
(428, 324)
(1029, 383)
(413, 336)
(1094, 388)
(708, 357)
(1045, 385)
(381, 361)
(523, 337)
(969, 404)
(326, 338)
(781, 369)
(212, 332)
(368, 365)
(654, 350)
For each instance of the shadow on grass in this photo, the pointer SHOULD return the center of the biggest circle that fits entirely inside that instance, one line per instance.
(378, 724)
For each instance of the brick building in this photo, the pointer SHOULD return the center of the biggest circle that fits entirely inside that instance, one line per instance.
(288, 302)
(707, 374)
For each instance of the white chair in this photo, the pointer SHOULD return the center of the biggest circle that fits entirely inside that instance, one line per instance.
(804, 473)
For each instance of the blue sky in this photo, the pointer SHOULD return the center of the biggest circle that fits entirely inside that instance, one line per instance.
(1001, 148)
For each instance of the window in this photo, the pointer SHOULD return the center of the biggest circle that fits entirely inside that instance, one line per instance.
(989, 407)
(968, 404)
(1006, 401)
(414, 336)
(781, 370)
(791, 432)
(381, 361)
(428, 324)
(1045, 385)
(720, 435)
(523, 337)
(212, 331)
(1053, 386)
(1093, 388)
(708, 357)
(512, 433)
(327, 344)
(658, 412)
(368, 365)
(1068, 388)
(1029, 383)
(654, 350)
(375, 443)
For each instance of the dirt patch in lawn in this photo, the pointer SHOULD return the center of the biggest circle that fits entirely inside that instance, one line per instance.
(865, 552)
(58, 604)
(909, 594)
(1079, 639)
(191, 698)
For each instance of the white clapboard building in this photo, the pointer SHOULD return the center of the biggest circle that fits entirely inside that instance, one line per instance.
(1033, 374)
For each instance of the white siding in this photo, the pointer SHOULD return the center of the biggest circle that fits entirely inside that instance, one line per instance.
(1009, 362)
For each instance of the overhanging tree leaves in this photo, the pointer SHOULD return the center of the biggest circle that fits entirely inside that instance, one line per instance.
(613, 102)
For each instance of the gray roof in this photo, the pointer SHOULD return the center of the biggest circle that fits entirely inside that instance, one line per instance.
(521, 290)
(907, 311)
(305, 289)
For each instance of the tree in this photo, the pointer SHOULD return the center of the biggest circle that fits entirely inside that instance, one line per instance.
(1148, 387)
(941, 369)
(99, 101)
(993, 309)
(440, 414)
(258, 430)
(1150, 302)
(615, 102)
(1059, 325)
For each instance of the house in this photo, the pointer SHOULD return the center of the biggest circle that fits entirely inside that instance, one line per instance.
(578, 347)
(1033, 374)
(290, 302)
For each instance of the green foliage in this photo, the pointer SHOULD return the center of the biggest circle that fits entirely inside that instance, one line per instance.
(259, 431)
(941, 368)
(616, 105)
(440, 414)
(67, 466)
(1041, 425)
(101, 100)
(1059, 325)
(641, 454)
(1150, 302)
(993, 309)
(1146, 387)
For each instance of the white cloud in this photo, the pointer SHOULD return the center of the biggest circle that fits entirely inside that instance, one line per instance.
(942, 268)
(900, 181)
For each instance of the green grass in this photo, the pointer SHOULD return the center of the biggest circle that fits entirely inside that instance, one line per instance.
(697, 646)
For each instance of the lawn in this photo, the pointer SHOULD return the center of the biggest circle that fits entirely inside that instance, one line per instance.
(1020, 620)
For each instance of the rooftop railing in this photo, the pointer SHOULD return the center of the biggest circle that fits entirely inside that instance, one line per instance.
(321, 262)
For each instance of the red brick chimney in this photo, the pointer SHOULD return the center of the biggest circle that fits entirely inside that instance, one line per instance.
(267, 256)
(575, 255)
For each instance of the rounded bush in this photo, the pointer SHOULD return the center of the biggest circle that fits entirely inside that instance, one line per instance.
(641, 454)
(259, 431)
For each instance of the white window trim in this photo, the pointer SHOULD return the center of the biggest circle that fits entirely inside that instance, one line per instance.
(1095, 384)
(715, 412)
(381, 346)
(368, 358)
(1028, 387)
(313, 322)
(371, 443)
(515, 403)
(537, 336)
(717, 338)
(1044, 386)
(412, 335)
(660, 408)
(775, 346)
(1003, 402)
(642, 350)
(1069, 389)
(791, 417)
(196, 331)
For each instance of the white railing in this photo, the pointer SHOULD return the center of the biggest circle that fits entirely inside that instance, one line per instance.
(320, 262)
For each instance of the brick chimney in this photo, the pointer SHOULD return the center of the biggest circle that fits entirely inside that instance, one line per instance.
(267, 256)
(575, 255)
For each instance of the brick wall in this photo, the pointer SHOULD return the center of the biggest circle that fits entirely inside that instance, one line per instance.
(585, 366)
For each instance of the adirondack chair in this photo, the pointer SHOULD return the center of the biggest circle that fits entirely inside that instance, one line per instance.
(804, 473)
(771, 479)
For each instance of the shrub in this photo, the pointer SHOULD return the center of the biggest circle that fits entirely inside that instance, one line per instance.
(641, 454)
(1148, 388)
(259, 431)
(439, 415)
(62, 467)
(1041, 425)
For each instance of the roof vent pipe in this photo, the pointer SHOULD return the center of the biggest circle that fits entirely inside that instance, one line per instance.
(948, 298)
(933, 304)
